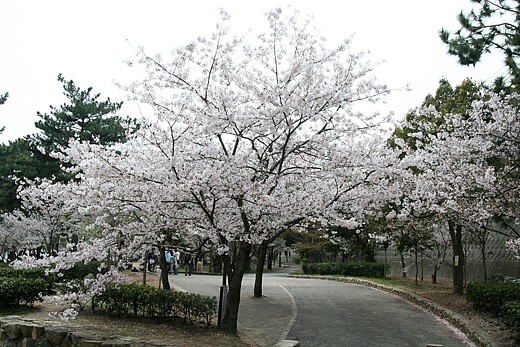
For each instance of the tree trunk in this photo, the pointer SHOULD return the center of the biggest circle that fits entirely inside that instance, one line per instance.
(483, 241)
(422, 265)
(164, 268)
(386, 261)
(403, 267)
(458, 257)
(416, 266)
(145, 267)
(260, 262)
(269, 258)
(484, 263)
(235, 272)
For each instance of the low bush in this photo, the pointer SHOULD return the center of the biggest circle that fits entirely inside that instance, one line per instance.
(511, 316)
(501, 278)
(363, 269)
(36, 273)
(16, 291)
(140, 300)
(491, 296)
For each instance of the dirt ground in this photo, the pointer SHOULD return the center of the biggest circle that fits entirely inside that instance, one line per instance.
(177, 334)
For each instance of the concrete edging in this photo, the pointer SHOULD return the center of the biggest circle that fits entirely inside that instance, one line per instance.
(475, 334)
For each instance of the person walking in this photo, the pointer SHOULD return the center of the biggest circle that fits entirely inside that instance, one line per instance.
(168, 257)
(176, 255)
(188, 263)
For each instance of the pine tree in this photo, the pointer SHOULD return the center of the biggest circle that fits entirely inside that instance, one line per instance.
(84, 117)
(494, 25)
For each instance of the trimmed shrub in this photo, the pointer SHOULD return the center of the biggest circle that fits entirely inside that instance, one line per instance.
(16, 291)
(362, 269)
(36, 273)
(491, 296)
(139, 300)
(511, 316)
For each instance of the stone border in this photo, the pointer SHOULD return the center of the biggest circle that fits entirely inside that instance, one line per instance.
(16, 331)
(475, 334)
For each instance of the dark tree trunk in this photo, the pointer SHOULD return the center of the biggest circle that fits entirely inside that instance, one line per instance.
(235, 269)
(262, 252)
(416, 266)
(484, 262)
(403, 267)
(164, 268)
(269, 258)
(458, 257)
(145, 266)
(422, 265)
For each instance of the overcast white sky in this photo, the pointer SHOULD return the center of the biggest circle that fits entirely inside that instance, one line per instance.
(87, 41)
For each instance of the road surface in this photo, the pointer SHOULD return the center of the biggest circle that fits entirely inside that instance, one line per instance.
(327, 313)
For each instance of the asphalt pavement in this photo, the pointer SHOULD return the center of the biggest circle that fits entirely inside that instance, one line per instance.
(326, 313)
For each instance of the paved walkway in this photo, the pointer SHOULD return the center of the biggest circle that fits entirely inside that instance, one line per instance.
(327, 313)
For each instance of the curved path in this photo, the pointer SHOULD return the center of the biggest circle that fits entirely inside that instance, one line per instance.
(327, 313)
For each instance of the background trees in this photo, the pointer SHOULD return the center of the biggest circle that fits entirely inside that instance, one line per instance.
(493, 25)
(456, 172)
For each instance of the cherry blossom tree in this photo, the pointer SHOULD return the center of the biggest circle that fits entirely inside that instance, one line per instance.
(467, 171)
(244, 138)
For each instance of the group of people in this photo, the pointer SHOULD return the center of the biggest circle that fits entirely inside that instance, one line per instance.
(173, 258)
(172, 261)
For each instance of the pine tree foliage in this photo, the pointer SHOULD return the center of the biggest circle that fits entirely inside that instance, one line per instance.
(85, 117)
(492, 25)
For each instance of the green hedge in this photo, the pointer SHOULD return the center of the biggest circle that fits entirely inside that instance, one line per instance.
(491, 296)
(511, 316)
(139, 300)
(36, 273)
(346, 269)
(15, 291)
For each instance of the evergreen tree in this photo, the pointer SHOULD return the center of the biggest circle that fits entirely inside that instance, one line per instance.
(494, 25)
(17, 161)
(3, 98)
(84, 117)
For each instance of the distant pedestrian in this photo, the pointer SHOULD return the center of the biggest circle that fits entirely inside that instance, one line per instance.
(168, 257)
(176, 255)
(152, 260)
(188, 263)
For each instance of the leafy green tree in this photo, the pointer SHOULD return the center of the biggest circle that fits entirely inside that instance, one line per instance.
(493, 25)
(446, 100)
